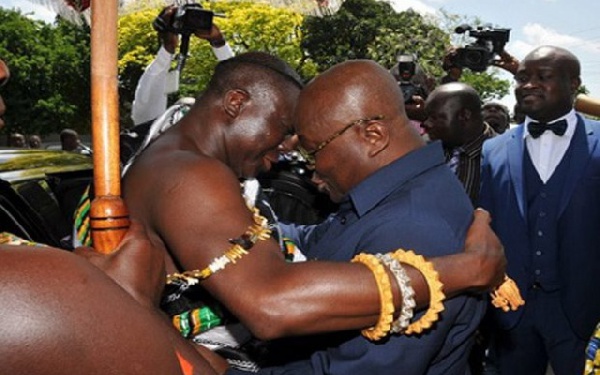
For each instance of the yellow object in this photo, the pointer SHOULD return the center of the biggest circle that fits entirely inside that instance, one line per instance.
(386, 316)
(507, 295)
(436, 295)
(258, 231)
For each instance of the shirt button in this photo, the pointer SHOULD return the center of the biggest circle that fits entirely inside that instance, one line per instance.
(542, 214)
(540, 233)
(543, 195)
(538, 272)
(343, 220)
(538, 253)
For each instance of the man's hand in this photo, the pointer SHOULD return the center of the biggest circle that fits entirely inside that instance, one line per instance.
(483, 244)
(213, 36)
(137, 266)
(507, 62)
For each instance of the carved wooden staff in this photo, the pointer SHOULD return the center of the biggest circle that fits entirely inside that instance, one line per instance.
(109, 219)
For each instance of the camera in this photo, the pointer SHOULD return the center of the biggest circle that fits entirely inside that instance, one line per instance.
(478, 55)
(187, 19)
(191, 17)
(404, 72)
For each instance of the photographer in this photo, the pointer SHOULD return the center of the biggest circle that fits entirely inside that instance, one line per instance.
(412, 82)
(157, 81)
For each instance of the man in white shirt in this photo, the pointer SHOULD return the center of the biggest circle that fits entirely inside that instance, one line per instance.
(159, 80)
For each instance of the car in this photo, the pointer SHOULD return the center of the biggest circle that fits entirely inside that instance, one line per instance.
(39, 192)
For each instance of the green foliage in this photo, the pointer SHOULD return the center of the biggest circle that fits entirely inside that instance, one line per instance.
(371, 29)
(49, 87)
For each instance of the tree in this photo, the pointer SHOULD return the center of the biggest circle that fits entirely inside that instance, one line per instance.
(49, 88)
(370, 29)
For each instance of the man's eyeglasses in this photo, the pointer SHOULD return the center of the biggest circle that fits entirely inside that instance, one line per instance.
(309, 156)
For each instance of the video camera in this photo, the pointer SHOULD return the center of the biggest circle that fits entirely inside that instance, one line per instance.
(188, 18)
(478, 55)
(404, 71)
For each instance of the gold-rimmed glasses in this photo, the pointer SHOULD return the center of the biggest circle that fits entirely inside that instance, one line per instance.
(309, 156)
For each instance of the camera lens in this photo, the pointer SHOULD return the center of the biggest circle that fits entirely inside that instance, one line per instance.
(473, 57)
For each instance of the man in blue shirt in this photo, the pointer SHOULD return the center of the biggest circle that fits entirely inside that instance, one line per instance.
(393, 191)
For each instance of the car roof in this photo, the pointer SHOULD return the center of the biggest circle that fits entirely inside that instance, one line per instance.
(23, 164)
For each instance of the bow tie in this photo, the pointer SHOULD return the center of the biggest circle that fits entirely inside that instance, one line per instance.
(538, 128)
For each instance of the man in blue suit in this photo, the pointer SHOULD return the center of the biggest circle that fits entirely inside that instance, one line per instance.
(541, 183)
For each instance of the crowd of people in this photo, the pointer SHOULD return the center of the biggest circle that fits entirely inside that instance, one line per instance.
(394, 280)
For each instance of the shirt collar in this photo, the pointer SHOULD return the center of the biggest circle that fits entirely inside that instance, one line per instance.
(473, 148)
(571, 118)
(393, 176)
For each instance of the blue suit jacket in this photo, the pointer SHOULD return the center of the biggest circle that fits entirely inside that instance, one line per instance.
(502, 193)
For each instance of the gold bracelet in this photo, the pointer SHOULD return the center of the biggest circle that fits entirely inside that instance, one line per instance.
(386, 316)
(436, 295)
(240, 246)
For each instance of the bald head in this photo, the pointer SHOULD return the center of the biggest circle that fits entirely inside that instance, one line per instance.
(453, 114)
(458, 93)
(353, 112)
(560, 57)
(351, 90)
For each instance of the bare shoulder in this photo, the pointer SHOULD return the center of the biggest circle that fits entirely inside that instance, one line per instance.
(191, 202)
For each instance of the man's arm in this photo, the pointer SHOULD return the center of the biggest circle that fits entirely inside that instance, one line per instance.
(272, 297)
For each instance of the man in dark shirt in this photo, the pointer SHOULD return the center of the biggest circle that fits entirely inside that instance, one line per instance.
(454, 117)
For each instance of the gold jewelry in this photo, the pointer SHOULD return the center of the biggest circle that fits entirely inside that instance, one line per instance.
(258, 231)
(408, 293)
(507, 296)
(386, 316)
(436, 295)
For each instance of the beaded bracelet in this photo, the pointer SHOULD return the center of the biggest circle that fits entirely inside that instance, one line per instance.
(436, 295)
(408, 293)
(386, 316)
(258, 231)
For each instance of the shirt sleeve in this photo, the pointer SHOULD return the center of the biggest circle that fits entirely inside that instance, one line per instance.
(224, 52)
(150, 99)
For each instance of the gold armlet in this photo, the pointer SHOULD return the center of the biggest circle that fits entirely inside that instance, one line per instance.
(240, 246)
(436, 295)
(507, 296)
(386, 316)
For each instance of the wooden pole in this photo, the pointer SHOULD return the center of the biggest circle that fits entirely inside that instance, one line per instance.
(109, 219)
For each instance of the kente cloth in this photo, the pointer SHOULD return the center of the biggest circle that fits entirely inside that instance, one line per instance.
(11, 239)
(592, 354)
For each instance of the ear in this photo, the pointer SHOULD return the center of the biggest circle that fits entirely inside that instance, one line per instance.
(234, 102)
(377, 136)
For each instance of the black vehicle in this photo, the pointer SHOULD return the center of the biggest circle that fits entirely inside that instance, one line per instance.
(39, 191)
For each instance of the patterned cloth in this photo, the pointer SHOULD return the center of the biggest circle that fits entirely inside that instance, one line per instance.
(469, 161)
(592, 354)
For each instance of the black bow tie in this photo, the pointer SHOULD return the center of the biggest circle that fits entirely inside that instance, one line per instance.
(538, 128)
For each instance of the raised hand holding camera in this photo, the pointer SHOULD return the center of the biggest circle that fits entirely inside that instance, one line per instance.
(480, 54)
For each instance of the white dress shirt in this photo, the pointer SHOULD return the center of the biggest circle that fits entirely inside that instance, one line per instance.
(548, 149)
